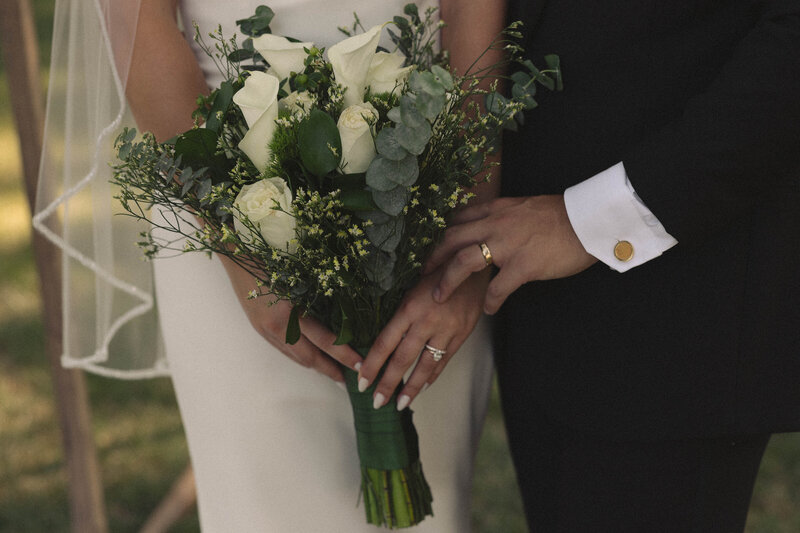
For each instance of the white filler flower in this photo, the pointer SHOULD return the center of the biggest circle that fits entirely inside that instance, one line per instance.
(358, 148)
(258, 100)
(260, 202)
(298, 103)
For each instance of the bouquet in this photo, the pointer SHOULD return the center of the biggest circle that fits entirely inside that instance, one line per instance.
(328, 177)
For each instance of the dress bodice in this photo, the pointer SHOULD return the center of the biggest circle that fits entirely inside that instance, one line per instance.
(308, 20)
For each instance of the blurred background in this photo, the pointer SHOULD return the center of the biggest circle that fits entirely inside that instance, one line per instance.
(136, 425)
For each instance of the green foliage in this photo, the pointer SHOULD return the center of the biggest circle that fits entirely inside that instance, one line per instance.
(320, 144)
(222, 100)
(293, 327)
(257, 24)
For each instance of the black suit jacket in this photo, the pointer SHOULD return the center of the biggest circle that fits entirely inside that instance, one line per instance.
(700, 99)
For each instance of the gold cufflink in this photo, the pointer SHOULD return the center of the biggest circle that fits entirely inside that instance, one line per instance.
(623, 251)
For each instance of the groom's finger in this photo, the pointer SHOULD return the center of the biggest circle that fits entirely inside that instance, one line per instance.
(470, 214)
(507, 280)
(463, 264)
(455, 238)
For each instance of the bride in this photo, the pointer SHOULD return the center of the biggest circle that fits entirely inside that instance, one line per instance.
(271, 442)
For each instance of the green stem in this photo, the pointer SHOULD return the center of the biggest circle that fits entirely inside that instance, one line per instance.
(393, 486)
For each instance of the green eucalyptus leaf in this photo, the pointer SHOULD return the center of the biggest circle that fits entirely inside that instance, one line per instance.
(409, 113)
(443, 77)
(411, 10)
(528, 64)
(257, 24)
(380, 268)
(425, 82)
(548, 82)
(386, 237)
(394, 115)
(376, 217)
(125, 151)
(293, 327)
(414, 139)
(392, 202)
(384, 174)
(388, 146)
(319, 143)
(431, 105)
(496, 103)
(521, 78)
(240, 55)
(524, 96)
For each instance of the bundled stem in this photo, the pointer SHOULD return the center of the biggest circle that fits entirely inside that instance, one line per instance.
(393, 486)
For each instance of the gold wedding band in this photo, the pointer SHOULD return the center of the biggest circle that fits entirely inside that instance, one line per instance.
(487, 255)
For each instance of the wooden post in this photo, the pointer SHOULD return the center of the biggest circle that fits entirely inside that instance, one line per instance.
(177, 503)
(21, 57)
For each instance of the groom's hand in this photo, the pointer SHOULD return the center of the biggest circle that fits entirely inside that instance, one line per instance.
(530, 238)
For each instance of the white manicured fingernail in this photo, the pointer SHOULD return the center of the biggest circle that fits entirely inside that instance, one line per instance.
(341, 386)
(380, 399)
(362, 384)
(357, 367)
(403, 401)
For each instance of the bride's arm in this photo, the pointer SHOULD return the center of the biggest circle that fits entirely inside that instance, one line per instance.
(163, 84)
(420, 321)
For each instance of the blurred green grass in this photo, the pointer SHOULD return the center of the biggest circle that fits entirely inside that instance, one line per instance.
(137, 427)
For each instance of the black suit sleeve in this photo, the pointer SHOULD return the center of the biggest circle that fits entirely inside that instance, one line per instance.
(733, 142)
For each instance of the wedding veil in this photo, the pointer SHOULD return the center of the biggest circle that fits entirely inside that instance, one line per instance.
(110, 322)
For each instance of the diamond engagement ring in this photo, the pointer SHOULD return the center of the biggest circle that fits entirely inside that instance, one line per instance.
(436, 353)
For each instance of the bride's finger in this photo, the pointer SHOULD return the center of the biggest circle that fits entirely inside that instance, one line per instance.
(306, 354)
(324, 339)
(466, 262)
(383, 347)
(406, 354)
(426, 366)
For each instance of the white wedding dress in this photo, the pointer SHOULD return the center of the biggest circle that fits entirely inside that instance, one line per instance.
(272, 443)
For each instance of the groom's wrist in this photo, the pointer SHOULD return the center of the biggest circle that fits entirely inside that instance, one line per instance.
(612, 223)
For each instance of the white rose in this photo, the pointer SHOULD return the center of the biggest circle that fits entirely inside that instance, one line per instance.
(358, 148)
(283, 56)
(258, 100)
(298, 103)
(387, 72)
(258, 202)
(351, 59)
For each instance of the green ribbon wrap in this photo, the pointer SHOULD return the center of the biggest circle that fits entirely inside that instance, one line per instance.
(393, 486)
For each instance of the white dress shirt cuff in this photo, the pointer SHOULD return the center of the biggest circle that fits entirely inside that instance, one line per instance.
(612, 223)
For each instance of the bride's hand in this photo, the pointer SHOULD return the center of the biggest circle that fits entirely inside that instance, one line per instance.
(421, 321)
(315, 349)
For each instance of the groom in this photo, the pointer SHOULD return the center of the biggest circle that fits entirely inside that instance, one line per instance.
(648, 249)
